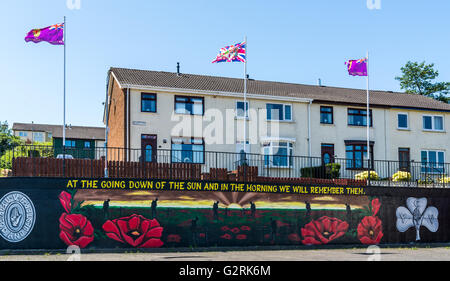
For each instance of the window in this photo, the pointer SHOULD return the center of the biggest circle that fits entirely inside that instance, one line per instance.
(189, 105)
(278, 154)
(23, 134)
(240, 111)
(402, 121)
(49, 135)
(188, 150)
(356, 154)
(326, 115)
(38, 137)
(279, 112)
(433, 123)
(70, 143)
(358, 117)
(148, 102)
(87, 144)
(432, 161)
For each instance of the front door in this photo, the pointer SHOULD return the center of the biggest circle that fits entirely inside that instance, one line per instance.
(404, 159)
(327, 153)
(149, 148)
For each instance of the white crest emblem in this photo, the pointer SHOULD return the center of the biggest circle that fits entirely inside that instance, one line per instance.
(17, 216)
(416, 215)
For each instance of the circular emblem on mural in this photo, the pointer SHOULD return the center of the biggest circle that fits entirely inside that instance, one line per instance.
(17, 216)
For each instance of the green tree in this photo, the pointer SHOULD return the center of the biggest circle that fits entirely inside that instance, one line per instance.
(7, 139)
(419, 78)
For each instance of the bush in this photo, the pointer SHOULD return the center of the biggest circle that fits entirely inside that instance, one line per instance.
(25, 151)
(401, 176)
(444, 180)
(364, 176)
(329, 171)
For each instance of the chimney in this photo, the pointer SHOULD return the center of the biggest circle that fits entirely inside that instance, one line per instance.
(178, 69)
(319, 82)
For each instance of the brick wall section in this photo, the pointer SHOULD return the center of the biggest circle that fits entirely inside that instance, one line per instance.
(116, 122)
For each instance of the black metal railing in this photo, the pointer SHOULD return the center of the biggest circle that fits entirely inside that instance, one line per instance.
(383, 172)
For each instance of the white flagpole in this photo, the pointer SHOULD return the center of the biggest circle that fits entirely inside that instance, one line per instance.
(245, 95)
(64, 106)
(368, 121)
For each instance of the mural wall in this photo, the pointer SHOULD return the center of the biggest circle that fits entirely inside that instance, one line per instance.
(55, 213)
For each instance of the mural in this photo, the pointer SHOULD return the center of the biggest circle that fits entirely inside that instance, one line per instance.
(416, 216)
(50, 213)
(153, 219)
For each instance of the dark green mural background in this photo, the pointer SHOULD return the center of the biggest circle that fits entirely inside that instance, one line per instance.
(181, 218)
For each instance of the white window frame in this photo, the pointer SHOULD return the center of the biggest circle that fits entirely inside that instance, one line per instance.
(271, 148)
(23, 134)
(433, 124)
(284, 112)
(237, 111)
(407, 121)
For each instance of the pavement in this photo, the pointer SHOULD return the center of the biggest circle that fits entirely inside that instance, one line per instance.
(356, 254)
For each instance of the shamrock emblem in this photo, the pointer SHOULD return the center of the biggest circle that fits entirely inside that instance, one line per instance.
(416, 215)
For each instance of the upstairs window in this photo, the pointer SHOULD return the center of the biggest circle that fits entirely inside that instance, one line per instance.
(38, 137)
(148, 102)
(326, 115)
(358, 117)
(240, 110)
(70, 143)
(189, 105)
(279, 112)
(433, 123)
(402, 121)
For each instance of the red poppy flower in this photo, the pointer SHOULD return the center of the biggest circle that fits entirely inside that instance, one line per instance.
(225, 228)
(66, 201)
(202, 235)
(241, 237)
(76, 230)
(375, 206)
(235, 230)
(245, 228)
(174, 238)
(323, 231)
(370, 230)
(136, 231)
(226, 236)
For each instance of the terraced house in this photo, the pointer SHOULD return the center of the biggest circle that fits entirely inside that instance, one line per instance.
(315, 124)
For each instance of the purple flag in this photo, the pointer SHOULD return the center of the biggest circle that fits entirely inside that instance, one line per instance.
(357, 67)
(53, 34)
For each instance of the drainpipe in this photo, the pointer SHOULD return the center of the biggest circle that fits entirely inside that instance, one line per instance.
(128, 126)
(309, 129)
(107, 127)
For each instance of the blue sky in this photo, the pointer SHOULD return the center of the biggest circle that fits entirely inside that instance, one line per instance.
(290, 41)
